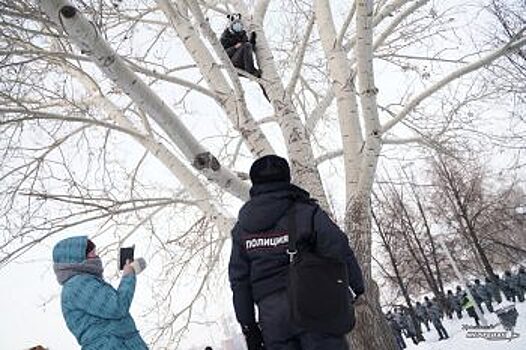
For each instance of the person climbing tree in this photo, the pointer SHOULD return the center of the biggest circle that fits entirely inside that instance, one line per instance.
(237, 45)
(239, 48)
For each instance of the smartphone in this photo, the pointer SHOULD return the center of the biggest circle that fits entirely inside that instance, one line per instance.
(125, 254)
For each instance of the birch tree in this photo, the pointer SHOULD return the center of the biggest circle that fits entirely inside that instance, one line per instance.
(347, 84)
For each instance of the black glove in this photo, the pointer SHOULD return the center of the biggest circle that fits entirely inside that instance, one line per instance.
(253, 337)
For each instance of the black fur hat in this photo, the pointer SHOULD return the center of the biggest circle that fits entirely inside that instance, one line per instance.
(233, 16)
(270, 168)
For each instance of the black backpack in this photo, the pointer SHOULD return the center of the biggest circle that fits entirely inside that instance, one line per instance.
(318, 288)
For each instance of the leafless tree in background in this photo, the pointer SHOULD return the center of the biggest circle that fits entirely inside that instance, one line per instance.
(487, 220)
(480, 220)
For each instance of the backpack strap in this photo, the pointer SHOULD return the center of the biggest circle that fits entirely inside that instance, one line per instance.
(291, 215)
(292, 227)
(312, 227)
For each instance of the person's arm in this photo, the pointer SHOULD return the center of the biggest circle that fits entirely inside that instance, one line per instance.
(100, 299)
(229, 40)
(226, 39)
(239, 276)
(333, 243)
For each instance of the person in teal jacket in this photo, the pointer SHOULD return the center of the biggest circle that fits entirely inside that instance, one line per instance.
(97, 314)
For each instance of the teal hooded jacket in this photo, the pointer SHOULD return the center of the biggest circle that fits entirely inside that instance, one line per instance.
(95, 312)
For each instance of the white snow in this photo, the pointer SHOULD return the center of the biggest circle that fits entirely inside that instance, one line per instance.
(458, 339)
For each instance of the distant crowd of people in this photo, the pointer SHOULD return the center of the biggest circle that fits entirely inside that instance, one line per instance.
(513, 286)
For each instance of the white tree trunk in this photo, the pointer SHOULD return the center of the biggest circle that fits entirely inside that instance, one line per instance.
(297, 140)
(179, 169)
(343, 87)
(231, 100)
(367, 92)
(371, 320)
(385, 12)
(85, 35)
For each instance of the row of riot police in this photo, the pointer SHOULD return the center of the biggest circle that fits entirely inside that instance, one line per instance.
(511, 285)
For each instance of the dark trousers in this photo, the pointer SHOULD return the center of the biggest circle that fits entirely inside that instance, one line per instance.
(400, 340)
(498, 297)
(477, 320)
(425, 322)
(509, 294)
(280, 334)
(520, 295)
(479, 303)
(449, 313)
(242, 57)
(489, 306)
(442, 333)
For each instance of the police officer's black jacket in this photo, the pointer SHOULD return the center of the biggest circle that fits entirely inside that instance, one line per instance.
(259, 262)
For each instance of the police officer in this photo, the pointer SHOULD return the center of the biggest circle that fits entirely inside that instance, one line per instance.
(434, 312)
(259, 262)
(476, 296)
(468, 304)
(459, 294)
(484, 294)
(494, 288)
(453, 305)
(421, 314)
(511, 284)
(409, 325)
(521, 281)
(396, 328)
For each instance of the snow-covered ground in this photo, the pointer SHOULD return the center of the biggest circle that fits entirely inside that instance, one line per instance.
(458, 339)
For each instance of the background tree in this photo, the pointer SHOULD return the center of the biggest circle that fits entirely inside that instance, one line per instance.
(480, 216)
(413, 243)
(411, 223)
(389, 239)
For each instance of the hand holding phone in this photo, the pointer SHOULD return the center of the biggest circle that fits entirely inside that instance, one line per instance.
(128, 269)
(124, 255)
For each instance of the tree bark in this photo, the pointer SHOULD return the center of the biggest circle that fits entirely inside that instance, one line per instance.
(372, 332)
(297, 139)
(342, 82)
